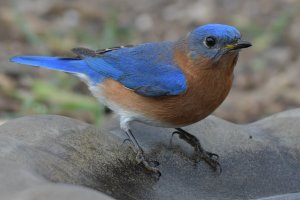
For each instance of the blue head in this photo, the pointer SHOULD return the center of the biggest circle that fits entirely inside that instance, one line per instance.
(214, 40)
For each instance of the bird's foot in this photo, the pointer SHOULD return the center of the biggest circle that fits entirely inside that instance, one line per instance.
(211, 159)
(200, 154)
(140, 158)
(148, 164)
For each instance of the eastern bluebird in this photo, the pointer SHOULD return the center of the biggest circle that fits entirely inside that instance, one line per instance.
(167, 84)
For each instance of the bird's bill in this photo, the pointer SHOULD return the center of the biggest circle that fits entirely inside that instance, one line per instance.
(239, 45)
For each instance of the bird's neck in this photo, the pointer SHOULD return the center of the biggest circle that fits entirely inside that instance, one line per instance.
(208, 82)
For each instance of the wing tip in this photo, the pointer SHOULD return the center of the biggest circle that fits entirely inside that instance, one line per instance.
(82, 52)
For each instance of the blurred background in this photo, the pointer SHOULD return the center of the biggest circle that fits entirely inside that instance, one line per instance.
(267, 76)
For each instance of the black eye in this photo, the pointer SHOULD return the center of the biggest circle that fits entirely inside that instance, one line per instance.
(210, 41)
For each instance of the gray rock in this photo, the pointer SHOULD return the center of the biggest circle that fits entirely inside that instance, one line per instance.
(45, 157)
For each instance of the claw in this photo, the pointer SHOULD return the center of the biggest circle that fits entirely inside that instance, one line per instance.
(212, 155)
(126, 140)
(213, 163)
(171, 139)
(175, 132)
(147, 164)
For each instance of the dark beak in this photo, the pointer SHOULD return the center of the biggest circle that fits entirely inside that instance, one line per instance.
(239, 45)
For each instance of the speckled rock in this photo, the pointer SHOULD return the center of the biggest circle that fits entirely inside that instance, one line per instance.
(55, 157)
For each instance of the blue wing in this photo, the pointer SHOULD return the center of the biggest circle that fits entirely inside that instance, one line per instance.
(148, 69)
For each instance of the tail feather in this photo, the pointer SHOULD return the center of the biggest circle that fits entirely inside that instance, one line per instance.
(60, 64)
(70, 65)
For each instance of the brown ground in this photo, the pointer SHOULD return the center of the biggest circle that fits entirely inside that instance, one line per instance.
(266, 78)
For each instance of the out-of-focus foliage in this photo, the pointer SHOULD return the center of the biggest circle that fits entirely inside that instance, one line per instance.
(267, 75)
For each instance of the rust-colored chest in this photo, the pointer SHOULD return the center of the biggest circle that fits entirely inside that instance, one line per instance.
(207, 88)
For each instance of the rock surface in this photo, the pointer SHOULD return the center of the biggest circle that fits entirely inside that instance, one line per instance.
(54, 157)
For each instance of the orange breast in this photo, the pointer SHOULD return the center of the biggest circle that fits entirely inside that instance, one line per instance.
(207, 88)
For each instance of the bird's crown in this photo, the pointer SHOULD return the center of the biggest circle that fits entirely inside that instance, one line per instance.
(221, 32)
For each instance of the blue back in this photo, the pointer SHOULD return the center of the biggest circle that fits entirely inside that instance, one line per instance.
(147, 68)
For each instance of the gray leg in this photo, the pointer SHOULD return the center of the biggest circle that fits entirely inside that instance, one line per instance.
(140, 158)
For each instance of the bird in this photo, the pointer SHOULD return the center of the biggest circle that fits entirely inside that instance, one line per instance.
(168, 84)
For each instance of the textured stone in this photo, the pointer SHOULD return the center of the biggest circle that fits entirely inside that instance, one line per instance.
(41, 156)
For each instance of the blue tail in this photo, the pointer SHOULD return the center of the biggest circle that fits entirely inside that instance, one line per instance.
(70, 65)
(60, 64)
